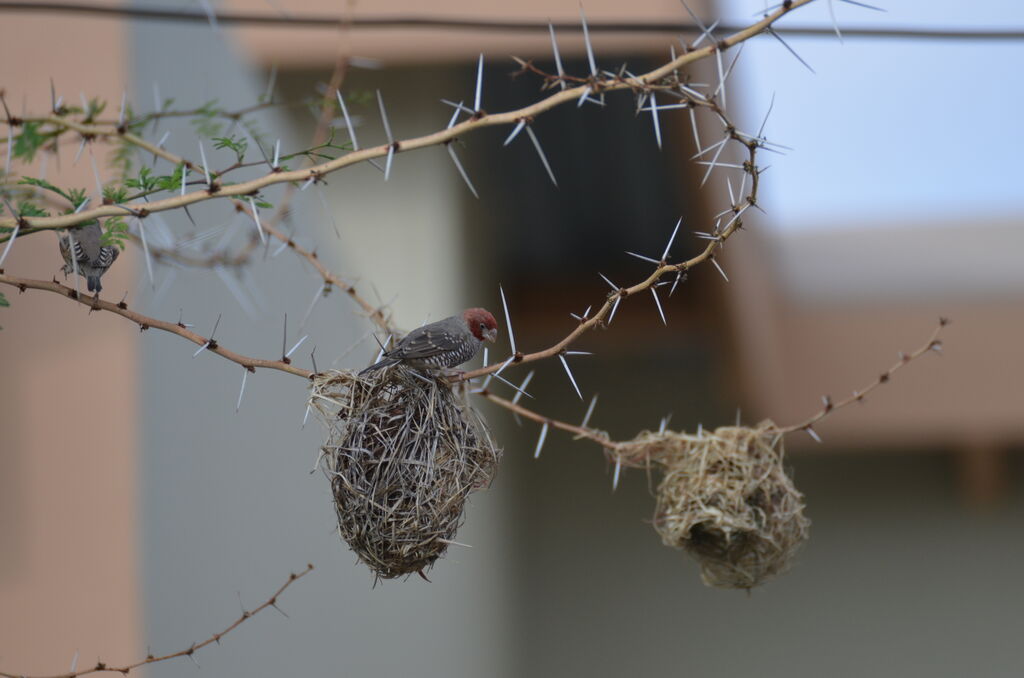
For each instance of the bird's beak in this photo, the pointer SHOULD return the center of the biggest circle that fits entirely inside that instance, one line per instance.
(491, 335)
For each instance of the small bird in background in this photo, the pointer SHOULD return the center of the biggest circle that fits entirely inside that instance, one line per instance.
(92, 258)
(443, 344)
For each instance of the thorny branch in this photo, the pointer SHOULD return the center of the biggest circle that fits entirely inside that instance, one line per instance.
(190, 651)
(145, 322)
(479, 119)
(933, 344)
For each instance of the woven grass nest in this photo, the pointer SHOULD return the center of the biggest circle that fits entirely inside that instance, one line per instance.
(726, 499)
(403, 452)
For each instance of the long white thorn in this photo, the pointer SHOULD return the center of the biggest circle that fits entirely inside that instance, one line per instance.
(145, 250)
(96, 173)
(390, 137)
(835, 24)
(671, 239)
(721, 76)
(522, 387)
(455, 116)
(14, 234)
(642, 257)
(515, 131)
(590, 411)
(790, 49)
(504, 365)
(713, 161)
(319, 295)
(256, 218)
(206, 170)
(696, 134)
(384, 118)
(717, 144)
(348, 125)
(297, 344)
(462, 171)
(479, 84)
(610, 283)
(516, 388)
(654, 119)
(657, 302)
(540, 152)
(387, 164)
(124, 104)
(508, 321)
(586, 39)
(241, 391)
(720, 270)
(540, 441)
(615, 476)
(558, 57)
(565, 364)
(615, 307)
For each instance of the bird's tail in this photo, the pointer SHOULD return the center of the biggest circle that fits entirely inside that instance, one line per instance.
(94, 283)
(384, 362)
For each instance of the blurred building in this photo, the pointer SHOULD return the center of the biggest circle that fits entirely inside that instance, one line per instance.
(150, 530)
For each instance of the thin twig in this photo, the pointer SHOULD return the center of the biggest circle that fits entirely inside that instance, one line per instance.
(101, 667)
(145, 322)
(933, 344)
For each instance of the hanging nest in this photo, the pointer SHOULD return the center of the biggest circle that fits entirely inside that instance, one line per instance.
(403, 452)
(726, 499)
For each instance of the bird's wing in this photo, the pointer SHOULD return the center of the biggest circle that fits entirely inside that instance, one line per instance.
(80, 256)
(425, 342)
(107, 256)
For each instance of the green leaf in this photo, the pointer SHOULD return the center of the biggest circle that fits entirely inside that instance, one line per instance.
(75, 196)
(264, 205)
(172, 182)
(115, 194)
(29, 141)
(115, 232)
(239, 145)
(3, 300)
(30, 209)
(145, 181)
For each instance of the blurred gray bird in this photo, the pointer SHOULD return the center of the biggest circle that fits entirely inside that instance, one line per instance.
(92, 258)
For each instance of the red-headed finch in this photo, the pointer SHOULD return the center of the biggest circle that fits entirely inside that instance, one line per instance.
(443, 344)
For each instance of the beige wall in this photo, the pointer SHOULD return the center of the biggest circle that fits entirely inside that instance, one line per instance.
(430, 45)
(68, 565)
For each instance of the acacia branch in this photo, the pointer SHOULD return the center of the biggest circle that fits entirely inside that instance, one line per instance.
(479, 120)
(933, 344)
(145, 322)
(190, 651)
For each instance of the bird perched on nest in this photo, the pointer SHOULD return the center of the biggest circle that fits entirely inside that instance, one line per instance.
(91, 256)
(443, 344)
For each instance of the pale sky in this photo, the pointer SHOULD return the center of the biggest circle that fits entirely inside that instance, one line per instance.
(888, 129)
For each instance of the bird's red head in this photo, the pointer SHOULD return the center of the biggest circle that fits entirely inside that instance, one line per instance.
(481, 323)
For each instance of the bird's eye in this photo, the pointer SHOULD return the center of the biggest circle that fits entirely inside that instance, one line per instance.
(482, 326)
